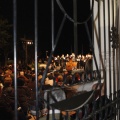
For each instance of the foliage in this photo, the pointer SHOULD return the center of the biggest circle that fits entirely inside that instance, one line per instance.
(4, 33)
(5, 38)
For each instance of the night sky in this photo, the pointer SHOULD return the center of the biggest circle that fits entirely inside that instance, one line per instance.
(25, 23)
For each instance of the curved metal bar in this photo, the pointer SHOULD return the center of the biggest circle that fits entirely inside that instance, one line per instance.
(71, 19)
(86, 97)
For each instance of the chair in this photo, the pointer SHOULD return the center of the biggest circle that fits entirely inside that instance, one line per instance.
(52, 96)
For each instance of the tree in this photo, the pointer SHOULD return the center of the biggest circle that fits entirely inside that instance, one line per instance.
(5, 38)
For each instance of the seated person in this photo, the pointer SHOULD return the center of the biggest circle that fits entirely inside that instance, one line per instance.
(77, 78)
(60, 80)
(68, 80)
(24, 95)
(7, 102)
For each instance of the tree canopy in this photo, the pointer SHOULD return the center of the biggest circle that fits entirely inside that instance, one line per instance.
(5, 39)
(5, 33)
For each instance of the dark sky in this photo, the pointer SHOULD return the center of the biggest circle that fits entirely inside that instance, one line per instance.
(25, 23)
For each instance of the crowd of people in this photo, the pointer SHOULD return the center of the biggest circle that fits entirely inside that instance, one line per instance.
(25, 95)
(26, 88)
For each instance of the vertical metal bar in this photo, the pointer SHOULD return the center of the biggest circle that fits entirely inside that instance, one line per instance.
(105, 77)
(99, 31)
(104, 44)
(118, 4)
(109, 49)
(15, 54)
(92, 23)
(75, 27)
(99, 46)
(113, 25)
(93, 26)
(52, 27)
(117, 51)
(117, 82)
(52, 23)
(36, 61)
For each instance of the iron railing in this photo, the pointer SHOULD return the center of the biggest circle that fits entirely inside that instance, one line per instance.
(106, 106)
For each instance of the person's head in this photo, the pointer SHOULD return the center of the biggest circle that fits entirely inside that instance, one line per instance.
(20, 81)
(33, 78)
(7, 81)
(39, 77)
(69, 79)
(60, 78)
(50, 76)
(77, 76)
(8, 72)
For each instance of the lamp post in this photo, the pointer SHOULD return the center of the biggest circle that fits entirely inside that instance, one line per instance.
(26, 42)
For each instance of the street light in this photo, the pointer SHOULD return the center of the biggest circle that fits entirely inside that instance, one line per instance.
(26, 42)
